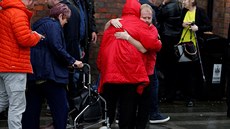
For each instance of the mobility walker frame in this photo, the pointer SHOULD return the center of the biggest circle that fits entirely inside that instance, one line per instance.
(86, 81)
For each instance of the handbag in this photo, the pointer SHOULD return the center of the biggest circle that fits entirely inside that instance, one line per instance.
(186, 51)
(83, 100)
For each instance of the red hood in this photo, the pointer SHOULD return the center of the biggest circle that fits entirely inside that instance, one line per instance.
(131, 7)
(5, 4)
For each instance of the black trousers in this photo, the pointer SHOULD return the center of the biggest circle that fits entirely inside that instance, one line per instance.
(228, 93)
(166, 63)
(124, 95)
(143, 106)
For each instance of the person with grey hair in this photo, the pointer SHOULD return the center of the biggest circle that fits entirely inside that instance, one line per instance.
(195, 20)
(15, 41)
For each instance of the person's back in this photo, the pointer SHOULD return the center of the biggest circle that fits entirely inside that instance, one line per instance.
(121, 66)
(131, 57)
(169, 17)
(72, 30)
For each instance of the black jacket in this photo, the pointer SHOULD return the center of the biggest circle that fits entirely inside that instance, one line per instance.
(91, 21)
(90, 25)
(169, 18)
(71, 31)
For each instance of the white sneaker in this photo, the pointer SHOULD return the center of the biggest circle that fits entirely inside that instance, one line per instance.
(158, 119)
(116, 121)
(104, 127)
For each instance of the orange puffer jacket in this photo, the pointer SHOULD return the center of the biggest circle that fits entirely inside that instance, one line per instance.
(16, 37)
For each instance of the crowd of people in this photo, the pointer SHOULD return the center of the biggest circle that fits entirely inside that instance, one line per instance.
(40, 61)
(44, 61)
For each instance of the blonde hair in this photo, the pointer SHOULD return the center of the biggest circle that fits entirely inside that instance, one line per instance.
(147, 8)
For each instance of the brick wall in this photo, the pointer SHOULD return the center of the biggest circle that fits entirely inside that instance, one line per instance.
(221, 17)
(107, 9)
(40, 11)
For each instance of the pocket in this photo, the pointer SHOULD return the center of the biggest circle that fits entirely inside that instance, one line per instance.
(18, 82)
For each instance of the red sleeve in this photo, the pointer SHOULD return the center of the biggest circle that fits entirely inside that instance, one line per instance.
(149, 39)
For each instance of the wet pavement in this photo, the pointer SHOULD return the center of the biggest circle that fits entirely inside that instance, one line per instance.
(204, 115)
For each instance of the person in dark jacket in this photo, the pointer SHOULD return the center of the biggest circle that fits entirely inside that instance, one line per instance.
(228, 77)
(88, 32)
(50, 62)
(71, 28)
(168, 18)
(85, 20)
(194, 19)
(73, 47)
(72, 33)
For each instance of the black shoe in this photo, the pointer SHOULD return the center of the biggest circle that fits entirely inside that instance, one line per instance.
(190, 104)
(3, 116)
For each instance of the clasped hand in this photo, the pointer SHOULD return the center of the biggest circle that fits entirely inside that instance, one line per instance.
(122, 35)
(191, 26)
(116, 23)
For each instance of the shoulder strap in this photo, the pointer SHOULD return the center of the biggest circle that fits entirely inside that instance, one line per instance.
(182, 38)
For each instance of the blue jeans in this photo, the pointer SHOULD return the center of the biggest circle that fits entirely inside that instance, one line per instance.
(154, 87)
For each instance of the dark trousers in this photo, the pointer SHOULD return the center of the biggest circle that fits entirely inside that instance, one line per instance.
(167, 62)
(143, 106)
(154, 89)
(125, 95)
(189, 75)
(228, 93)
(55, 94)
(74, 86)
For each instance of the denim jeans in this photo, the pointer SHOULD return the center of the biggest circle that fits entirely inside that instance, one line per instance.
(154, 87)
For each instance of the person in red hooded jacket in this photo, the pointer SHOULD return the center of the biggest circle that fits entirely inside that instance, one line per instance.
(15, 41)
(143, 100)
(122, 66)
